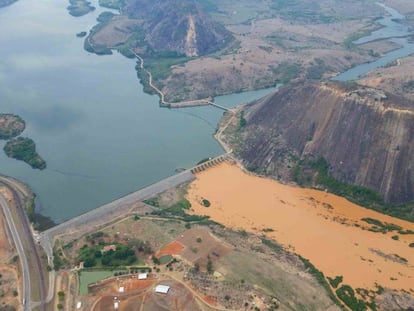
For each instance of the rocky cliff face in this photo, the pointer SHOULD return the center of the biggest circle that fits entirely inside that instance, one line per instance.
(178, 26)
(367, 136)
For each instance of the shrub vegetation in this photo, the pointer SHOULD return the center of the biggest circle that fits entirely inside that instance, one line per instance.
(24, 149)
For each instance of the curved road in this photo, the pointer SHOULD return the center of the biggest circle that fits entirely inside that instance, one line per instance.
(23, 259)
(25, 244)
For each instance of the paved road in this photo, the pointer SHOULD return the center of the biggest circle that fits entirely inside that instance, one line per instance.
(23, 259)
(29, 246)
(46, 237)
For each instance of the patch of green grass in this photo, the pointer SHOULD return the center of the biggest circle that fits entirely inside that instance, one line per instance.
(359, 193)
(408, 86)
(316, 173)
(97, 49)
(406, 231)
(317, 70)
(321, 279)
(347, 295)
(105, 17)
(160, 64)
(349, 41)
(93, 256)
(272, 245)
(153, 202)
(286, 72)
(39, 221)
(178, 210)
(205, 203)
(295, 11)
(336, 281)
(58, 261)
(379, 226)
(276, 40)
(165, 259)
(243, 121)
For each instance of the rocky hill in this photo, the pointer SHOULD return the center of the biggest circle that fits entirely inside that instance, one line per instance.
(178, 26)
(365, 135)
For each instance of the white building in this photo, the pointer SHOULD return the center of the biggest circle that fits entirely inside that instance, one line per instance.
(162, 289)
(142, 276)
(78, 305)
(121, 289)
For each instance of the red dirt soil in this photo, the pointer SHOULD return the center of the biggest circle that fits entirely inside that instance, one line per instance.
(210, 300)
(174, 248)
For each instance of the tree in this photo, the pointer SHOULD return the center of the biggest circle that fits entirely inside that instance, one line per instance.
(155, 260)
(61, 295)
(60, 306)
(209, 265)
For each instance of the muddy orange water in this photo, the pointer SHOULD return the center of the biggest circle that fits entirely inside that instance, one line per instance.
(319, 226)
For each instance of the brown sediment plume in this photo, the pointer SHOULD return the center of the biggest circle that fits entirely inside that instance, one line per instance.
(322, 227)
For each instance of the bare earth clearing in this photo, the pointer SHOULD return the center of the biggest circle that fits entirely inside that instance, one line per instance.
(245, 270)
(324, 228)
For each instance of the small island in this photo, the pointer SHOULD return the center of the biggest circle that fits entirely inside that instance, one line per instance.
(11, 126)
(79, 7)
(81, 34)
(24, 149)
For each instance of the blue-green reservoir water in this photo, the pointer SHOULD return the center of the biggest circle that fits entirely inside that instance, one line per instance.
(392, 29)
(101, 136)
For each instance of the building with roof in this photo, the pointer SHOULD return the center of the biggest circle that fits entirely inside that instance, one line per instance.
(162, 289)
(108, 248)
(142, 276)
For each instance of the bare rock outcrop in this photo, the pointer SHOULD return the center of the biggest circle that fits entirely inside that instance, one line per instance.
(366, 135)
